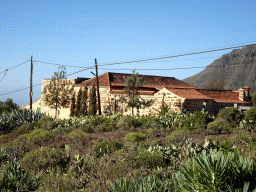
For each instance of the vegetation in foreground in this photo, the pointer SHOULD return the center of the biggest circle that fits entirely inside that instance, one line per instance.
(166, 152)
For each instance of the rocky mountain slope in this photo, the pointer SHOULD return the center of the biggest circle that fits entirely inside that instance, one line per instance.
(237, 69)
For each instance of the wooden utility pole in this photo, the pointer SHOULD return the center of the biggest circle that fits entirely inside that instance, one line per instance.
(98, 91)
(31, 72)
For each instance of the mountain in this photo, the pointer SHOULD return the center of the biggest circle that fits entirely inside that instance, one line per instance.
(237, 69)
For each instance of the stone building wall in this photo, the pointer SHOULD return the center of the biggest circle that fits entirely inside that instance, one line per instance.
(110, 104)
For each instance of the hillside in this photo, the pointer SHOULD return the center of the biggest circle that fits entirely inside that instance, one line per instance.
(236, 68)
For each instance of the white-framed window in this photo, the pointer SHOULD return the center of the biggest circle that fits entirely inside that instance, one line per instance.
(235, 105)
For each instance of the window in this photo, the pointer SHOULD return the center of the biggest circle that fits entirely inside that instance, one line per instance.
(235, 105)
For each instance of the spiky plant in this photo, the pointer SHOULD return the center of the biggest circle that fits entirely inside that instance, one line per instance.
(216, 172)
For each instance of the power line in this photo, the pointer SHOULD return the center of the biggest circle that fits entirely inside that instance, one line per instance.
(15, 66)
(158, 58)
(58, 64)
(146, 62)
(181, 67)
(136, 69)
(4, 75)
(40, 83)
(172, 56)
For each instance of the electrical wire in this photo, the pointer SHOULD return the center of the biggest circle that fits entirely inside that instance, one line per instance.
(136, 69)
(41, 84)
(158, 58)
(15, 66)
(172, 56)
(58, 64)
(142, 60)
(4, 75)
(181, 67)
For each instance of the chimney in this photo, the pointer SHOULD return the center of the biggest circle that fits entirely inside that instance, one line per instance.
(244, 93)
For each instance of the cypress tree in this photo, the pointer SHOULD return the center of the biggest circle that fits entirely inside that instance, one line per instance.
(92, 101)
(254, 96)
(83, 110)
(78, 103)
(73, 106)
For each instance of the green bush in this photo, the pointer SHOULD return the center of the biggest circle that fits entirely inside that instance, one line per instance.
(198, 120)
(45, 118)
(41, 158)
(128, 122)
(125, 123)
(76, 134)
(15, 179)
(227, 144)
(135, 137)
(177, 135)
(214, 126)
(105, 146)
(38, 136)
(229, 116)
(250, 116)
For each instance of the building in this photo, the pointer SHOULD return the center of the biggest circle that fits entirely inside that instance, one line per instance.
(173, 92)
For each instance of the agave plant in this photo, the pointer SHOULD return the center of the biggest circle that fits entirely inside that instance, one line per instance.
(150, 183)
(216, 171)
(18, 117)
(14, 179)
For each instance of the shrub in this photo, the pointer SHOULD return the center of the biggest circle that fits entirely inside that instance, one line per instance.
(135, 137)
(177, 135)
(250, 116)
(38, 136)
(87, 128)
(229, 116)
(198, 120)
(227, 144)
(214, 126)
(76, 134)
(125, 123)
(41, 158)
(45, 118)
(105, 146)
(14, 179)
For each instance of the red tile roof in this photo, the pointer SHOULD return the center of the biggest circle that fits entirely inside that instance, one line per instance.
(170, 83)
(219, 96)
(222, 96)
(117, 79)
(188, 93)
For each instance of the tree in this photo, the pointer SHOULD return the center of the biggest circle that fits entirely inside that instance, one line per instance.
(58, 91)
(73, 105)
(8, 105)
(215, 84)
(78, 103)
(132, 97)
(254, 96)
(92, 101)
(83, 110)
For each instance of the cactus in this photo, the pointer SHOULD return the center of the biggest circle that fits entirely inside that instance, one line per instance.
(16, 117)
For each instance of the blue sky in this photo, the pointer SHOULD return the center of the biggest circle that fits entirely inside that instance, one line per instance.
(78, 31)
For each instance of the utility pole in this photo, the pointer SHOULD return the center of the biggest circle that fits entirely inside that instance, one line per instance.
(98, 91)
(31, 72)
